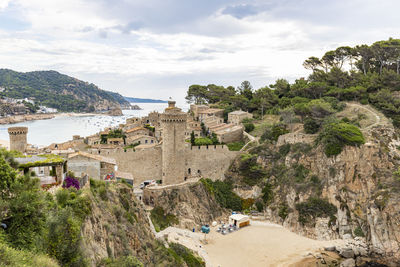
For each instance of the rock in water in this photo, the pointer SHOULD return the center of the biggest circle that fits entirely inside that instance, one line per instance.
(115, 112)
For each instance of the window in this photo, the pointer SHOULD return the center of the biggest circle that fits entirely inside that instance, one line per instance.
(145, 141)
(152, 141)
(189, 170)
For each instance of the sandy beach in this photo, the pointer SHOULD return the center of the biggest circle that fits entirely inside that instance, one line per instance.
(260, 244)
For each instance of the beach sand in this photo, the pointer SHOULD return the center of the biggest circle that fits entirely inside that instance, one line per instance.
(260, 244)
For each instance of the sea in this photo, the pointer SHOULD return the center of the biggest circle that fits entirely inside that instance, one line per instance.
(62, 128)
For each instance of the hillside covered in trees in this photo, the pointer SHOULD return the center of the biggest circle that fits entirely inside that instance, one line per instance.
(56, 90)
(365, 73)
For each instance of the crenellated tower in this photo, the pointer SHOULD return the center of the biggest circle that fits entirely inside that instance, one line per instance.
(18, 140)
(173, 124)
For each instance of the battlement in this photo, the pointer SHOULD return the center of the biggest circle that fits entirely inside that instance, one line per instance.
(18, 130)
(177, 117)
(209, 148)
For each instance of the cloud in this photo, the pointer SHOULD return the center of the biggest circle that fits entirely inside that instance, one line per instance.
(152, 48)
(240, 11)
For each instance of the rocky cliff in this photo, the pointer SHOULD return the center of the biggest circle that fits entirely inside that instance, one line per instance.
(118, 227)
(192, 204)
(353, 194)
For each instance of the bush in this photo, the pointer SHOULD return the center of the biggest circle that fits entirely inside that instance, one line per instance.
(247, 203)
(126, 261)
(259, 206)
(251, 171)
(335, 135)
(273, 132)
(223, 193)
(311, 126)
(236, 146)
(203, 141)
(313, 208)
(186, 255)
(359, 232)
(71, 182)
(284, 149)
(161, 220)
(248, 127)
(283, 211)
(267, 193)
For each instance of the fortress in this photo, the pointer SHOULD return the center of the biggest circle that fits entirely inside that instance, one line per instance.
(173, 160)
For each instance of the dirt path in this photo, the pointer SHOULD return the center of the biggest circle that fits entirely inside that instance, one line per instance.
(379, 118)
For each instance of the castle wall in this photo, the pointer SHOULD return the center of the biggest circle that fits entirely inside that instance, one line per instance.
(212, 161)
(143, 164)
(292, 138)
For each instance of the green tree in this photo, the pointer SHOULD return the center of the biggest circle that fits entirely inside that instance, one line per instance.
(192, 138)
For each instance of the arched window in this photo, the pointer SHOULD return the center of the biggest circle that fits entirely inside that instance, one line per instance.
(189, 170)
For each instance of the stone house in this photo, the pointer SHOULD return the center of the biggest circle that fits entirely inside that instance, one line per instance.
(137, 131)
(217, 112)
(95, 166)
(236, 117)
(195, 109)
(141, 140)
(229, 133)
(93, 140)
(115, 141)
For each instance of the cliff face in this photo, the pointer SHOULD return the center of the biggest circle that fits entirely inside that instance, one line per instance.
(191, 203)
(118, 227)
(356, 192)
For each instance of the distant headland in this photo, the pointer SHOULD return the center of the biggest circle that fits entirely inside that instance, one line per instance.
(143, 100)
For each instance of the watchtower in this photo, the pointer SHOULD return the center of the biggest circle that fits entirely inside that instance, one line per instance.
(173, 123)
(18, 140)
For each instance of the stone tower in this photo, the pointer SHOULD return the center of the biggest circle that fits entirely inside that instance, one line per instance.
(18, 139)
(173, 123)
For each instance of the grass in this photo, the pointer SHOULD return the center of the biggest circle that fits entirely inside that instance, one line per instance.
(19, 258)
(262, 125)
(236, 146)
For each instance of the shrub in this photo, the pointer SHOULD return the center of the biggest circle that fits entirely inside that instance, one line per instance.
(186, 255)
(359, 232)
(259, 206)
(248, 127)
(311, 126)
(161, 220)
(71, 182)
(203, 141)
(273, 132)
(125, 261)
(300, 172)
(313, 208)
(283, 211)
(247, 203)
(284, 149)
(267, 193)
(335, 135)
(236, 146)
(223, 193)
(251, 171)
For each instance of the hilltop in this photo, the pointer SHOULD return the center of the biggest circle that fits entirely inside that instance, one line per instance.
(56, 90)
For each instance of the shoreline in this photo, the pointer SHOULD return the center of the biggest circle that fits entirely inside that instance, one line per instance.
(46, 116)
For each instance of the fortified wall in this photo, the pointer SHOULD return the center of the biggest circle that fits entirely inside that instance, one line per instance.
(209, 161)
(292, 138)
(144, 164)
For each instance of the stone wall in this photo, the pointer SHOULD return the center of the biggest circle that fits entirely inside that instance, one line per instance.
(212, 161)
(80, 164)
(230, 135)
(143, 164)
(292, 138)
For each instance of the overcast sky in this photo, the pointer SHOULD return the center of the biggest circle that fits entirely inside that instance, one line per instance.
(157, 48)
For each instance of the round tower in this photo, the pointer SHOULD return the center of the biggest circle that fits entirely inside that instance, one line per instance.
(18, 139)
(173, 123)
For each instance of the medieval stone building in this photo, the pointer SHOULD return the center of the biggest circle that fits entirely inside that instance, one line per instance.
(18, 139)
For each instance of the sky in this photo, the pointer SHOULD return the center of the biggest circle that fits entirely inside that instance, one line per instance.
(158, 48)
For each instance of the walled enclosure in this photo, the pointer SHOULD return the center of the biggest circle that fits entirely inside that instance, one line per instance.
(18, 140)
(142, 164)
(212, 161)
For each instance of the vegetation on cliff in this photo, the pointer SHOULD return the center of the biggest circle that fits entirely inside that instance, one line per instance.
(67, 229)
(55, 90)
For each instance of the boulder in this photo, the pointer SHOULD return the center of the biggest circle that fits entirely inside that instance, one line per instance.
(348, 263)
(347, 253)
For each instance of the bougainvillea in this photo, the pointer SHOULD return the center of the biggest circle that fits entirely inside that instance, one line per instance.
(71, 181)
